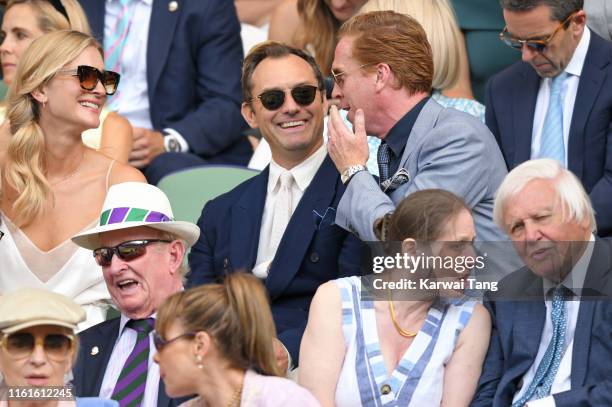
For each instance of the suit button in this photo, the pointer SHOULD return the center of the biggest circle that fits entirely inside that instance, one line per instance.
(314, 257)
(385, 389)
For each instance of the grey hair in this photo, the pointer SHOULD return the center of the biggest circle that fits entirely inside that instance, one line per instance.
(559, 9)
(570, 192)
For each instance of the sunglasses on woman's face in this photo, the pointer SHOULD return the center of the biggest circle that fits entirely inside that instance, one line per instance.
(160, 343)
(21, 344)
(89, 77)
(127, 251)
(275, 98)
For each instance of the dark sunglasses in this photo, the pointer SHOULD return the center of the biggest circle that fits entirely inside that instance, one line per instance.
(127, 251)
(535, 45)
(274, 99)
(160, 343)
(21, 344)
(89, 77)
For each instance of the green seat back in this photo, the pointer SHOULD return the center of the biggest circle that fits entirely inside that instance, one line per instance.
(190, 189)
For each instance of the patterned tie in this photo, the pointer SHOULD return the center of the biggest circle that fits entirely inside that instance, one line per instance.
(384, 159)
(130, 386)
(114, 44)
(552, 145)
(547, 369)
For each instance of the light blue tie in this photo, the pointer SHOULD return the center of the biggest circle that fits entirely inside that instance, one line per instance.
(549, 365)
(114, 44)
(552, 145)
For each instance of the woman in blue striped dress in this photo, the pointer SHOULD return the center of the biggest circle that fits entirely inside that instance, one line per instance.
(367, 346)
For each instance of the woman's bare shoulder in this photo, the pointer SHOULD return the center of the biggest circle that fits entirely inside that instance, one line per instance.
(285, 23)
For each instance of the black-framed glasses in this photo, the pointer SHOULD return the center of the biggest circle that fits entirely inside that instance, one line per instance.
(21, 344)
(160, 343)
(273, 99)
(127, 251)
(89, 77)
(535, 45)
(339, 77)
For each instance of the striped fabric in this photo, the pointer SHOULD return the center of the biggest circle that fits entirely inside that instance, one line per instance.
(132, 381)
(416, 379)
(113, 46)
(124, 214)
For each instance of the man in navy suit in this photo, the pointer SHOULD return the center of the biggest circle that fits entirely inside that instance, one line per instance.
(550, 343)
(180, 85)
(557, 102)
(140, 249)
(280, 224)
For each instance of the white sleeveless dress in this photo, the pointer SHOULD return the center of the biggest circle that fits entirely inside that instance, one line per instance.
(418, 379)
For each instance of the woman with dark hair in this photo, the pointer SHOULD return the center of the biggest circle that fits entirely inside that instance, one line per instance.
(408, 347)
(216, 341)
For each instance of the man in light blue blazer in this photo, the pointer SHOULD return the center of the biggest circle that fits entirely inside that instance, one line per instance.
(550, 343)
(386, 91)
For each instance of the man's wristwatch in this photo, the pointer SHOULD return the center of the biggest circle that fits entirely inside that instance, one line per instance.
(171, 144)
(348, 173)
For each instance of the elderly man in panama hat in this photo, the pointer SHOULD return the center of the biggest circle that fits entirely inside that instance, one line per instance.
(140, 248)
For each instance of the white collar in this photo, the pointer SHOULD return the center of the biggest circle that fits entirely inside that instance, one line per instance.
(303, 173)
(577, 62)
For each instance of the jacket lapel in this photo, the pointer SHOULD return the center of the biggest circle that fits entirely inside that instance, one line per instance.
(161, 34)
(95, 10)
(246, 215)
(589, 86)
(598, 266)
(524, 100)
(97, 361)
(291, 251)
(529, 318)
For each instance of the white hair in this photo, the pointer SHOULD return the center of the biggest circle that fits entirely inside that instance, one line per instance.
(570, 192)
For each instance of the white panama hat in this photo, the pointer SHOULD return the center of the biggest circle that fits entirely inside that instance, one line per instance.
(134, 204)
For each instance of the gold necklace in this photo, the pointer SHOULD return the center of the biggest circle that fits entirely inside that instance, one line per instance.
(235, 400)
(71, 174)
(398, 328)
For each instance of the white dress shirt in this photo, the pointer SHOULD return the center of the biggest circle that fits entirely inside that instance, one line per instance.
(133, 103)
(122, 349)
(575, 282)
(303, 174)
(568, 95)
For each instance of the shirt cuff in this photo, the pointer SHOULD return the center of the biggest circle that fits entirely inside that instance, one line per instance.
(183, 146)
(545, 402)
(289, 360)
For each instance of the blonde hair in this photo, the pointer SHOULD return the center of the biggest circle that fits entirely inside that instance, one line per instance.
(319, 31)
(49, 19)
(235, 313)
(440, 24)
(24, 170)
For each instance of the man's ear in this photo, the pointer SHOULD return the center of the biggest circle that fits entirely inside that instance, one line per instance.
(384, 76)
(249, 115)
(177, 252)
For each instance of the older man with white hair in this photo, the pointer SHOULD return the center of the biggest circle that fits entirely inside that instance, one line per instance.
(550, 343)
(140, 248)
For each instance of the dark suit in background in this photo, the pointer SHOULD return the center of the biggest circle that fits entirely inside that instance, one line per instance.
(511, 100)
(194, 57)
(312, 250)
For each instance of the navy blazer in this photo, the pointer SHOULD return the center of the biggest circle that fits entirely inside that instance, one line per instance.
(518, 326)
(91, 366)
(194, 58)
(312, 251)
(511, 98)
